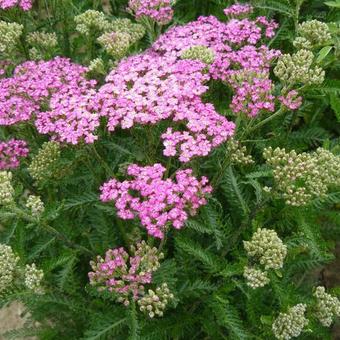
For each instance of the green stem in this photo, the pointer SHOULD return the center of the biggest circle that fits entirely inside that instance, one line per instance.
(281, 110)
(101, 160)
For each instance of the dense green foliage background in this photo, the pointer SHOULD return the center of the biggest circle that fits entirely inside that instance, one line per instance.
(204, 262)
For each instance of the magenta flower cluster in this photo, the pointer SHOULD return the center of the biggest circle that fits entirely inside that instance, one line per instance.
(238, 9)
(10, 153)
(148, 88)
(124, 274)
(159, 11)
(25, 5)
(56, 95)
(238, 52)
(158, 203)
(291, 100)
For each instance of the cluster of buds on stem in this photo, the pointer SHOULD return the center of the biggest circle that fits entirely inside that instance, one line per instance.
(237, 153)
(8, 266)
(311, 34)
(13, 274)
(43, 164)
(10, 33)
(43, 44)
(116, 44)
(125, 276)
(6, 188)
(154, 302)
(290, 325)
(303, 177)
(298, 68)
(35, 205)
(199, 52)
(327, 306)
(268, 250)
(91, 22)
(33, 278)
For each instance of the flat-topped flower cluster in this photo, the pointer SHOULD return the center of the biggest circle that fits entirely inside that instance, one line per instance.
(11, 152)
(25, 5)
(158, 203)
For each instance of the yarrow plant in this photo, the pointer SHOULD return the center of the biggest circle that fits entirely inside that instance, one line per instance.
(192, 146)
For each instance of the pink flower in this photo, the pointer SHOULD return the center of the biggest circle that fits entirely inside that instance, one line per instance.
(11, 152)
(292, 100)
(159, 11)
(157, 202)
(238, 9)
(23, 4)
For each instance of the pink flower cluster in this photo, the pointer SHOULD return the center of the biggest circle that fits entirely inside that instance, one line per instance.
(238, 9)
(158, 203)
(159, 11)
(57, 94)
(236, 52)
(291, 100)
(148, 88)
(25, 5)
(11, 152)
(125, 274)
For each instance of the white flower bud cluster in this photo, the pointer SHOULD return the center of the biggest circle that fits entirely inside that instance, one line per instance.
(328, 306)
(116, 44)
(8, 266)
(42, 39)
(10, 33)
(43, 164)
(199, 52)
(269, 251)
(290, 325)
(237, 153)
(6, 189)
(35, 204)
(312, 33)
(43, 44)
(91, 22)
(256, 278)
(96, 66)
(298, 69)
(302, 177)
(154, 303)
(149, 257)
(124, 25)
(33, 278)
(266, 247)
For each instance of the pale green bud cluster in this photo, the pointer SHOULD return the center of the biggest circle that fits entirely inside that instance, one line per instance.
(124, 25)
(149, 257)
(237, 153)
(42, 39)
(8, 266)
(303, 177)
(6, 189)
(35, 205)
(256, 278)
(155, 302)
(312, 33)
(43, 44)
(33, 278)
(43, 164)
(96, 66)
(10, 33)
(202, 53)
(328, 306)
(116, 44)
(266, 247)
(290, 325)
(298, 69)
(91, 22)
